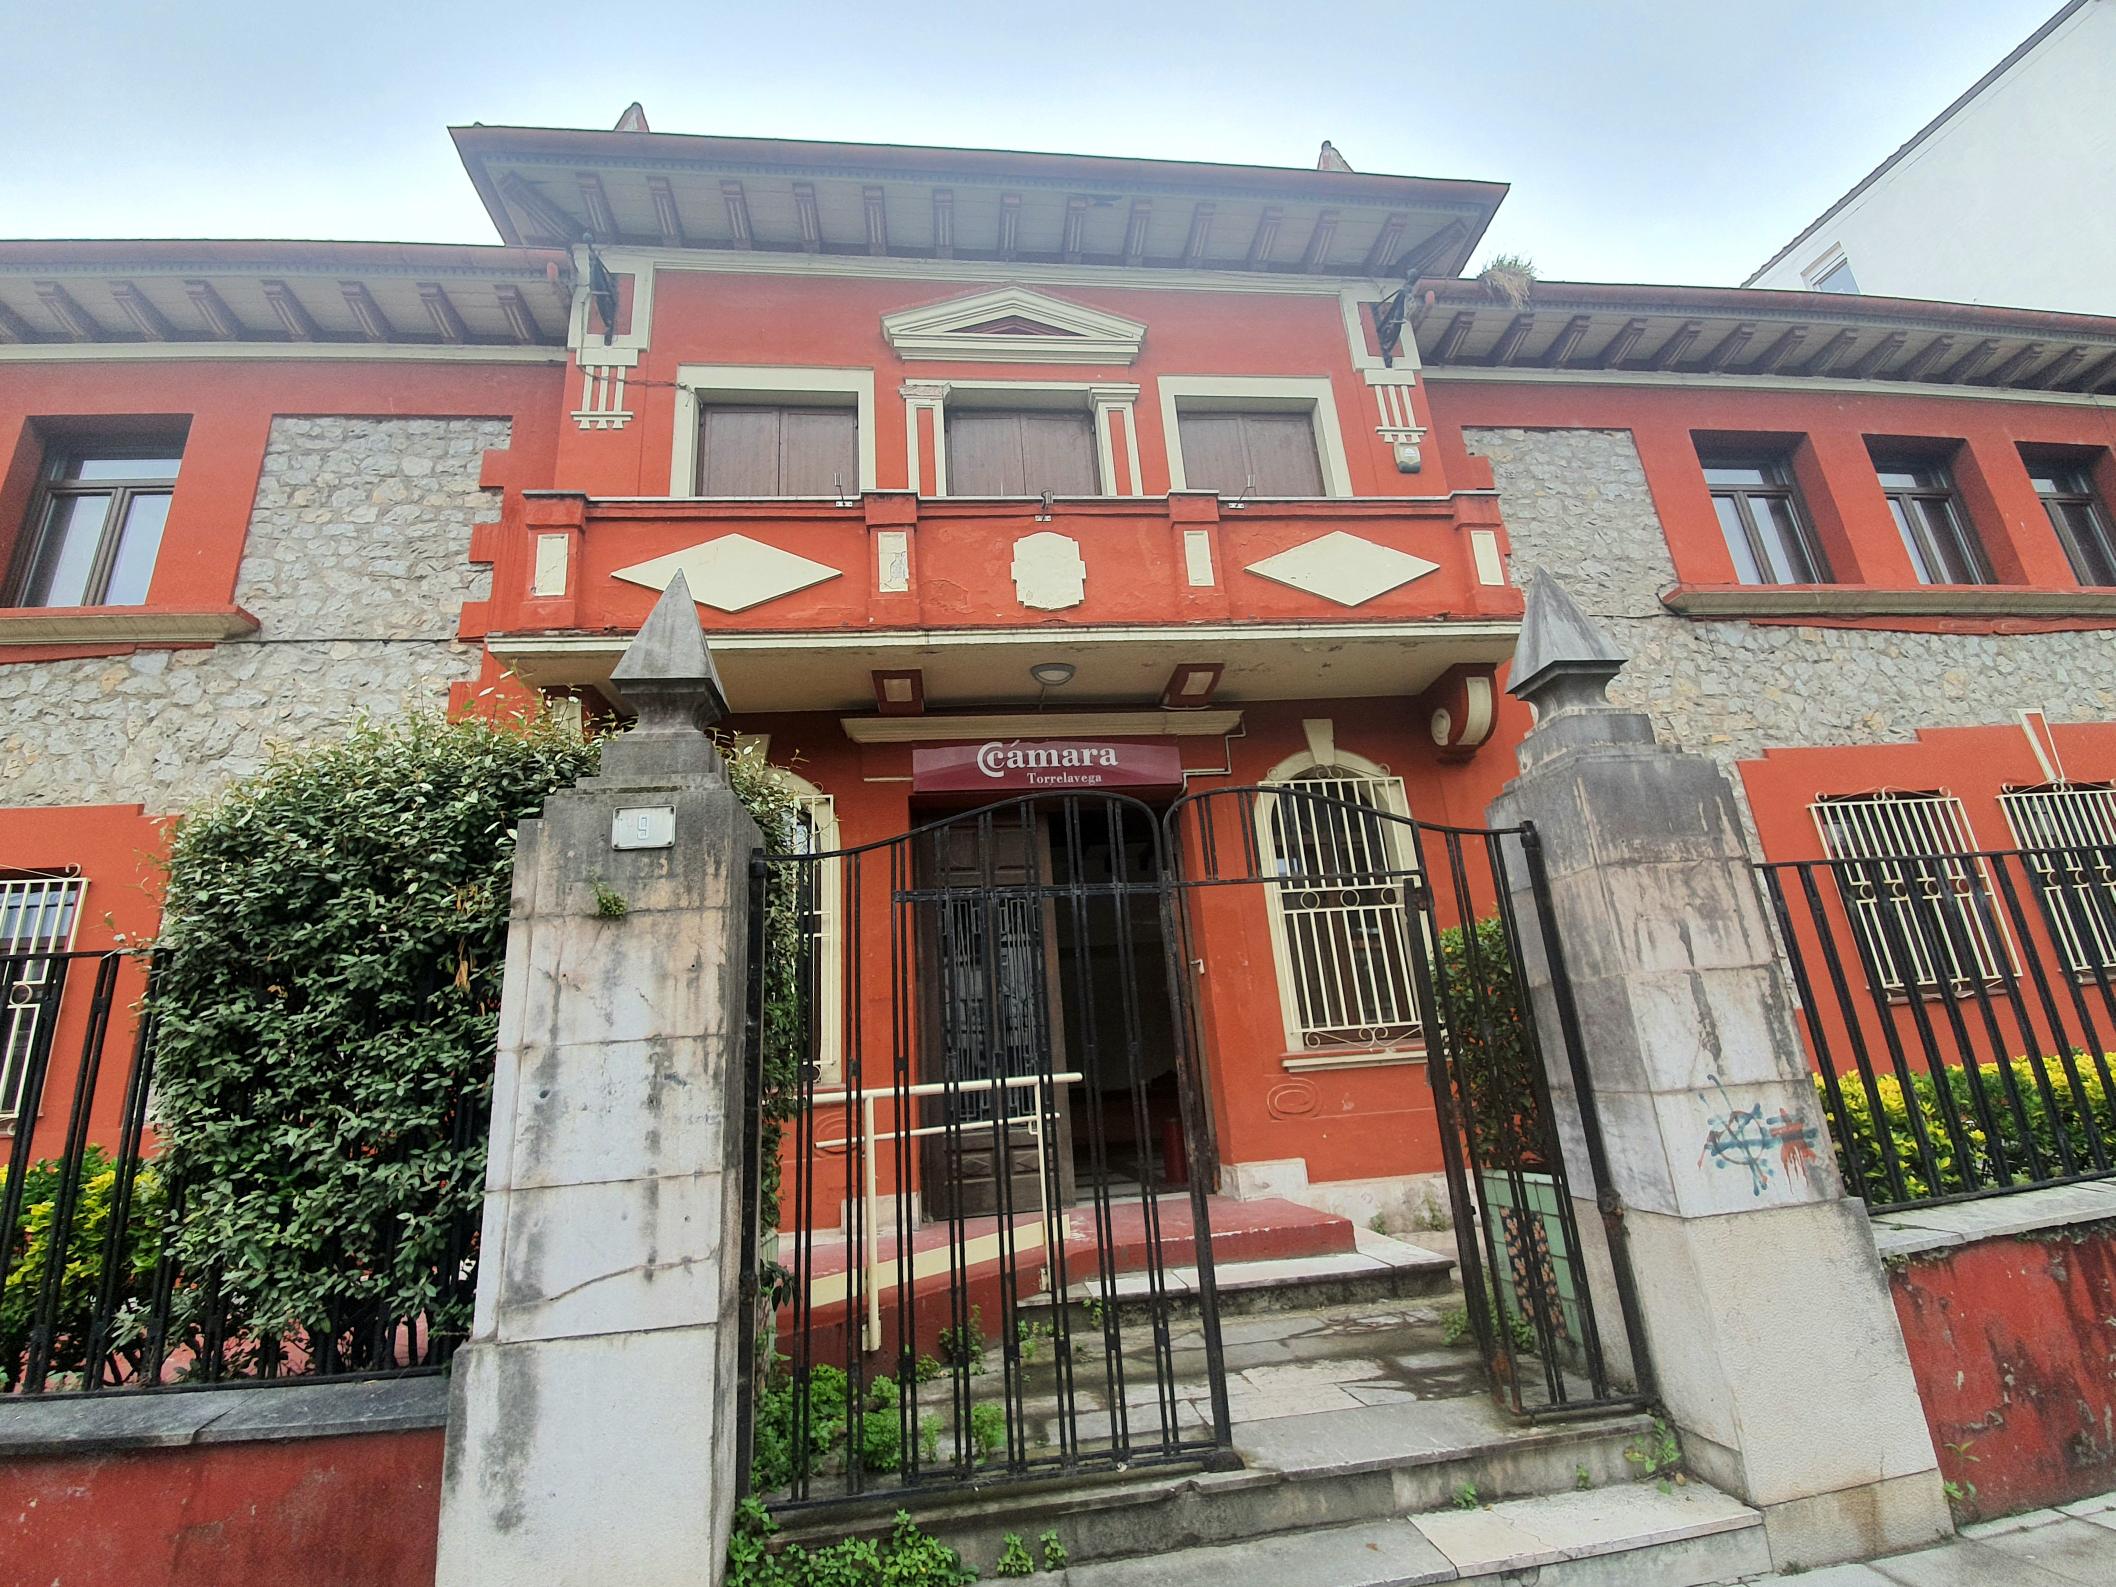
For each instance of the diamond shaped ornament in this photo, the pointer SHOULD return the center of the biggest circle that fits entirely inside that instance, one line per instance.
(1343, 568)
(732, 573)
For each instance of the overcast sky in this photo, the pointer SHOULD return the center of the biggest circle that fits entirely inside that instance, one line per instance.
(1646, 140)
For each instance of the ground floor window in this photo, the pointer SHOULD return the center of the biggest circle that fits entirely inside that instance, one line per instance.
(1919, 896)
(38, 915)
(1343, 862)
(821, 908)
(2069, 833)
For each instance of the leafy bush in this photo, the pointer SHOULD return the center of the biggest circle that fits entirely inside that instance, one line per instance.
(1860, 1154)
(1492, 1045)
(909, 1558)
(327, 992)
(29, 1257)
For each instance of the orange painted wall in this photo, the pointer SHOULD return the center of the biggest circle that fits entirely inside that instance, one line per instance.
(360, 1510)
(230, 405)
(710, 317)
(1827, 433)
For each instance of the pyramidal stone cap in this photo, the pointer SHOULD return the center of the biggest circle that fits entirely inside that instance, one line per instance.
(667, 674)
(1562, 661)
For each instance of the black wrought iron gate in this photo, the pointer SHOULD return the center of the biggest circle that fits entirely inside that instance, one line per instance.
(1391, 937)
(991, 1259)
(982, 1044)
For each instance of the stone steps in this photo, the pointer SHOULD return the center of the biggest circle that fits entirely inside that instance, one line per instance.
(1368, 1465)
(1379, 1268)
(1629, 1536)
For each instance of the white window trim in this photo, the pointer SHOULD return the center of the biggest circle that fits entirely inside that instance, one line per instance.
(698, 384)
(1097, 397)
(2081, 815)
(1390, 794)
(830, 926)
(1314, 393)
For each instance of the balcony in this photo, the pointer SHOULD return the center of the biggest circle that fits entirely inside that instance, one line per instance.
(805, 601)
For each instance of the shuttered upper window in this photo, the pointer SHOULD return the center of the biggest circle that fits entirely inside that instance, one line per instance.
(993, 452)
(749, 450)
(1250, 453)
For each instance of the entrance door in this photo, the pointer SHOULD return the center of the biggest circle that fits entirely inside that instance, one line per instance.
(994, 1009)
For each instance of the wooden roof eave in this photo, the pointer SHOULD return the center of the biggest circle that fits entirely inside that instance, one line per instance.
(1741, 333)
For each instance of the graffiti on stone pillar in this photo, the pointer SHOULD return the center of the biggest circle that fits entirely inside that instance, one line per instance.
(1746, 1139)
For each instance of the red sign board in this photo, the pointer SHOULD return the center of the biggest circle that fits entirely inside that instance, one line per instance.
(1037, 765)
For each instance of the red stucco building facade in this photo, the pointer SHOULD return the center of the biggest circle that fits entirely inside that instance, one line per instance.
(1224, 470)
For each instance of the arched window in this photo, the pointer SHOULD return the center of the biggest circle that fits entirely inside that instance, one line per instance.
(1341, 860)
(822, 923)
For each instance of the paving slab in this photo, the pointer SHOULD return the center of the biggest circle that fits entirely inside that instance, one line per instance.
(2073, 1550)
(1970, 1562)
(1525, 1534)
(1374, 1554)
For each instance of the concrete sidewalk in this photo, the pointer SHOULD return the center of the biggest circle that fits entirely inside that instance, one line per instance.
(2074, 1546)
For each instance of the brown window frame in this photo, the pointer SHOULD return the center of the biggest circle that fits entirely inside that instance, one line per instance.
(1906, 503)
(1779, 486)
(1080, 418)
(53, 488)
(2073, 487)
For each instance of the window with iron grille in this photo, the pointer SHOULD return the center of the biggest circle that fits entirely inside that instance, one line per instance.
(1916, 891)
(1343, 862)
(2068, 831)
(38, 915)
(816, 832)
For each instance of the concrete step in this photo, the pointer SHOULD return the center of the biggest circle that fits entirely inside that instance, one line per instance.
(1632, 1535)
(1368, 1464)
(1379, 1268)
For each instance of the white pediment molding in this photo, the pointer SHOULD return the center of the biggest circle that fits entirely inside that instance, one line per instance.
(1064, 333)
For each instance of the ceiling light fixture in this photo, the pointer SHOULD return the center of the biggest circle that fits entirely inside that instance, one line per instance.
(1051, 674)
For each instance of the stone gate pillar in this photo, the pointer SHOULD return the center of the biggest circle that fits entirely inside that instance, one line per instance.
(1767, 1321)
(591, 1427)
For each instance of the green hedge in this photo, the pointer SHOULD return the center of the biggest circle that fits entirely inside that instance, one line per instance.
(1860, 1154)
(29, 1257)
(328, 991)
(1493, 1049)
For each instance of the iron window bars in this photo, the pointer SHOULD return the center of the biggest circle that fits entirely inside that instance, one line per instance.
(2067, 832)
(38, 917)
(1904, 854)
(1339, 911)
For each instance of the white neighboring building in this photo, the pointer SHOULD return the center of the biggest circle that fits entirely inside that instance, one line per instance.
(2008, 196)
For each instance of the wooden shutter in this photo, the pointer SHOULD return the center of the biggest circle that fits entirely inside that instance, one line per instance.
(992, 452)
(757, 451)
(1268, 454)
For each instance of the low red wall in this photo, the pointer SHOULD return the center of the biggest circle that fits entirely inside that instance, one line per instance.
(362, 1510)
(2013, 1341)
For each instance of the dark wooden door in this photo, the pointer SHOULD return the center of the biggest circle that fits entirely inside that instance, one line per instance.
(989, 956)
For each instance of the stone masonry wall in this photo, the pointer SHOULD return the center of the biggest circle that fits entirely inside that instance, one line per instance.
(355, 565)
(1576, 502)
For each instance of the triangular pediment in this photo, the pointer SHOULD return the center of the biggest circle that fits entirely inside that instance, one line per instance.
(1013, 325)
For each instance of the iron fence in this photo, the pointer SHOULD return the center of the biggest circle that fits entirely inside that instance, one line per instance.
(1433, 944)
(101, 1288)
(1960, 1010)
